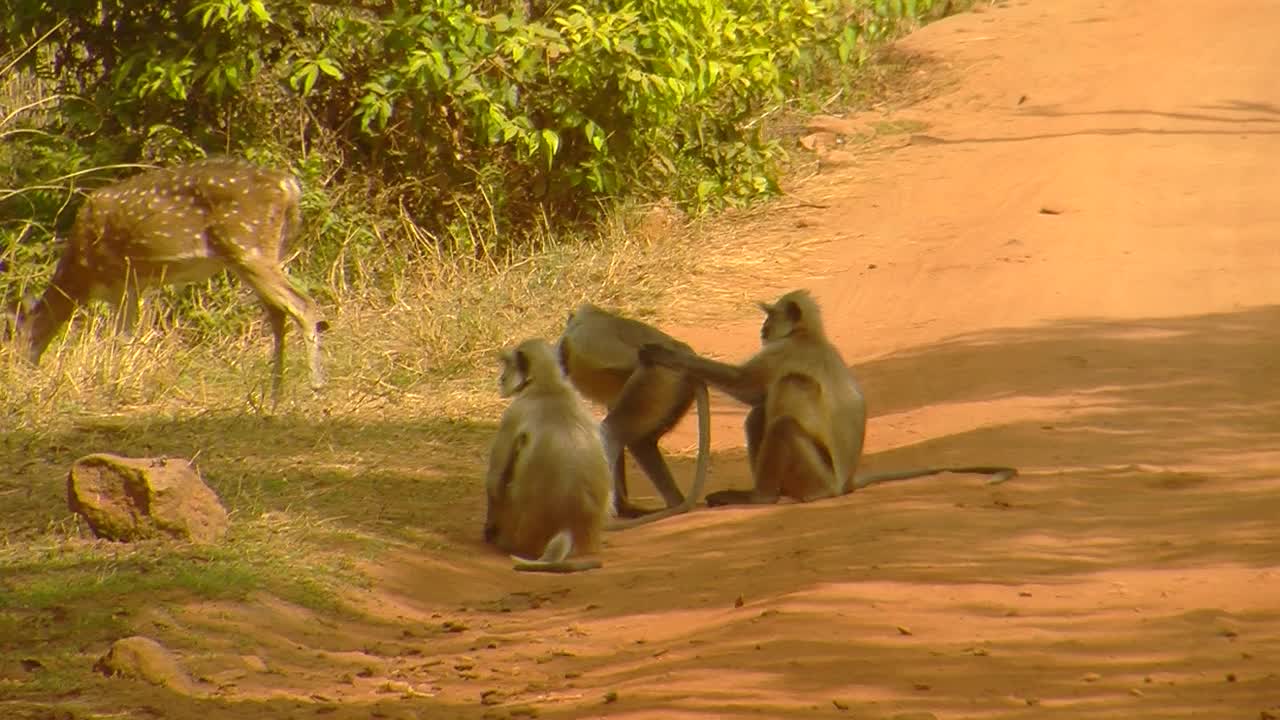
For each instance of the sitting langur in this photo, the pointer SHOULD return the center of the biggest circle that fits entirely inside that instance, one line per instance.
(598, 353)
(548, 479)
(808, 419)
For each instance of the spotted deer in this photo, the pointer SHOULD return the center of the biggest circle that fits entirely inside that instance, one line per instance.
(180, 225)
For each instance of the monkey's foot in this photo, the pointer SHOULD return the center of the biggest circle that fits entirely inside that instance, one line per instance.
(627, 510)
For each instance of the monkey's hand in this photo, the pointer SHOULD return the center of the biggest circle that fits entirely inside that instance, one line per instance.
(655, 354)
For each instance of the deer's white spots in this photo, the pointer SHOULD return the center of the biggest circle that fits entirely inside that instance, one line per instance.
(153, 229)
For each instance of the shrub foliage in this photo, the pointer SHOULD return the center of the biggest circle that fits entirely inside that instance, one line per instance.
(492, 114)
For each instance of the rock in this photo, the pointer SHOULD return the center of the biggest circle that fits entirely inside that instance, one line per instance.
(144, 659)
(134, 498)
(659, 221)
(254, 663)
(819, 141)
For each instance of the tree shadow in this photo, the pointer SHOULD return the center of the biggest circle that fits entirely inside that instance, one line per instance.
(1144, 453)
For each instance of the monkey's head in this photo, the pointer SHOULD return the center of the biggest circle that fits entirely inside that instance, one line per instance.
(794, 312)
(513, 373)
(532, 361)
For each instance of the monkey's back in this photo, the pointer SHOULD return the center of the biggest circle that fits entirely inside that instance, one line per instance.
(562, 474)
(599, 352)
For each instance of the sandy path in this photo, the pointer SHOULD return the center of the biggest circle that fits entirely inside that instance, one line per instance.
(1123, 351)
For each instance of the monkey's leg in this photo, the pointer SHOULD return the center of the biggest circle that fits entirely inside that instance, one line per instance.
(788, 462)
(786, 452)
(754, 427)
(618, 471)
(797, 464)
(636, 421)
(650, 459)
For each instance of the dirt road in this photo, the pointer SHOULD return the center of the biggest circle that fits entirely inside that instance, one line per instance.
(1073, 266)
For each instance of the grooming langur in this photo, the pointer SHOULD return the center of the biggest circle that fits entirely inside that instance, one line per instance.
(548, 480)
(598, 354)
(808, 418)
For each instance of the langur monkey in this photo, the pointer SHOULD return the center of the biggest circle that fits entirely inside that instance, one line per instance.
(598, 354)
(548, 482)
(808, 419)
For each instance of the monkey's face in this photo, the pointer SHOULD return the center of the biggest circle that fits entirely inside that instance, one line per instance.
(780, 319)
(777, 323)
(514, 373)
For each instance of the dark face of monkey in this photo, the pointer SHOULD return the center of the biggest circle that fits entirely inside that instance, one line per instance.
(779, 320)
(793, 311)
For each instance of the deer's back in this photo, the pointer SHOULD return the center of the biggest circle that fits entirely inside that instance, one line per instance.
(181, 223)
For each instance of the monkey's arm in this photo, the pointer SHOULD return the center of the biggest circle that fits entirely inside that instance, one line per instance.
(738, 382)
(502, 457)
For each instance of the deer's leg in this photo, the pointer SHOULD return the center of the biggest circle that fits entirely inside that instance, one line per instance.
(277, 319)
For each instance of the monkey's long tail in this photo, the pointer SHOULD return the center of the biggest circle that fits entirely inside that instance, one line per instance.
(553, 558)
(700, 396)
(1000, 474)
(561, 566)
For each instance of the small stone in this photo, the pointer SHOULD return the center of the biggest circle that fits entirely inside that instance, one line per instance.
(254, 663)
(1091, 677)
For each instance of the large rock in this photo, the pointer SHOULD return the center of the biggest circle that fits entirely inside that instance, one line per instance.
(135, 498)
(142, 658)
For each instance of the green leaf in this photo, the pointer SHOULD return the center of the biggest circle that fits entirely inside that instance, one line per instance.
(260, 11)
(330, 68)
(309, 75)
(551, 143)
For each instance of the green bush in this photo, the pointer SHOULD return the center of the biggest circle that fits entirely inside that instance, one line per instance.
(464, 115)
